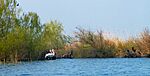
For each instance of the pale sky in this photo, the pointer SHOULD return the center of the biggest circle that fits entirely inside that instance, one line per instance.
(122, 18)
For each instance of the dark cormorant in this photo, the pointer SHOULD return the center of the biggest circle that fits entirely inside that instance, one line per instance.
(18, 4)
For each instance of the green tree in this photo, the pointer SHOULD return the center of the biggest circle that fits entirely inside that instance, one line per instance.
(52, 35)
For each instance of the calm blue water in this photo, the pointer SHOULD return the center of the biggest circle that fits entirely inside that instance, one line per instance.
(80, 67)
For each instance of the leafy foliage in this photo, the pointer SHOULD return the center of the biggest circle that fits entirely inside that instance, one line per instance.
(23, 37)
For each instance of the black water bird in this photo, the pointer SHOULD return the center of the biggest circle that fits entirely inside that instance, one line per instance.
(18, 4)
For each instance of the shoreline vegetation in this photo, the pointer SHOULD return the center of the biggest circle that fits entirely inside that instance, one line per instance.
(24, 38)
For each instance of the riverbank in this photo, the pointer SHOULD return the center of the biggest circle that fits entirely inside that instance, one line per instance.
(24, 37)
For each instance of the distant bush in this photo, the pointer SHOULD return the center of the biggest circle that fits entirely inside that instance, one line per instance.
(94, 44)
(143, 41)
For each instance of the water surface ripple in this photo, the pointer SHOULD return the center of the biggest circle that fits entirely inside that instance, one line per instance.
(80, 67)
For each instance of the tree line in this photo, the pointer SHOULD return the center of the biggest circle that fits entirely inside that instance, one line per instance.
(24, 37)
(88, 44)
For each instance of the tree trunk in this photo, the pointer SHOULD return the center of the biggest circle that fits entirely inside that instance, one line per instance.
(16, 57)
